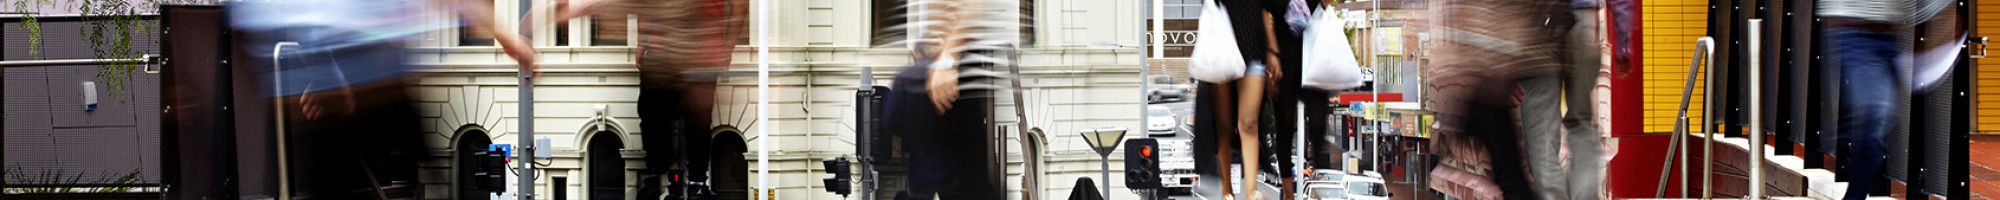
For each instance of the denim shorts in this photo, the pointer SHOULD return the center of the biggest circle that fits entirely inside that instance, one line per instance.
(1255, 69)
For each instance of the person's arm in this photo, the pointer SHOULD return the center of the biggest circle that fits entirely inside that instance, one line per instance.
(479, 19)
(1273, 67)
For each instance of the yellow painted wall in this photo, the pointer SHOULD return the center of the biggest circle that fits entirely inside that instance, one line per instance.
(1988, 75)
(1670, 29)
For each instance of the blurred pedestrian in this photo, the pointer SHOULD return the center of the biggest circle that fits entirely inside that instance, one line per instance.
(1863, 41)
(335, 59)
(683, 48)
(1486, 50)
(1556, 109)
(941, 104)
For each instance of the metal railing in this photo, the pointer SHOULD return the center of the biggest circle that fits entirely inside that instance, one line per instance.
(1703, 50)
(146, 62)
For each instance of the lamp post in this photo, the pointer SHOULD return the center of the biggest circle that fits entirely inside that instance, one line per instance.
(1104, 140)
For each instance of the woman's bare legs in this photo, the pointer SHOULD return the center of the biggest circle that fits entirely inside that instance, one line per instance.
(1249, 100)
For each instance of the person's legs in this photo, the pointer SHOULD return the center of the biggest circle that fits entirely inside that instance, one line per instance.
(1316, 128)
(1541, 123)
(1586, 166)
(656, 111)
(965, 128)
(1249, 103)
(696, 107)
(1494, 127)
(1225, 139)
(1867, 99)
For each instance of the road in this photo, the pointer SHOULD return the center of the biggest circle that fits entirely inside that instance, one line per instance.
(1208, 185)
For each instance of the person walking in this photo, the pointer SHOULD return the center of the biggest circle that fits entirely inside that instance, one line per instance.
(1863, 41)
(1486, 51)
(341, 78)
(1545, 120)
(683, 48)
(941, 103)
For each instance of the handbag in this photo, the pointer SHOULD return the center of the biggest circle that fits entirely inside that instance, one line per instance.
(1215, 58)
(1329, 59)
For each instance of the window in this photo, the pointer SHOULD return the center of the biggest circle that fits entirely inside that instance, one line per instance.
(563, 35)
(606, 168)
(468, 37)
(888, 13)
(1178, 34)
(1027, 22)
(469, 148)
(561, 186)
(609, 30)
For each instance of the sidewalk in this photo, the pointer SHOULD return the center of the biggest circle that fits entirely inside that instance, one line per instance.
(1985, 158)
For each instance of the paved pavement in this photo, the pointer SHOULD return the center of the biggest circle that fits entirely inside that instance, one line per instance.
(1985, 157)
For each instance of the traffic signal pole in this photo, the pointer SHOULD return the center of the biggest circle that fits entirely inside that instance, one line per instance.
(526, 136)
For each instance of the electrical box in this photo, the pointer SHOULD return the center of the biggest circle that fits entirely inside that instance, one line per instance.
(543, 149)
(89, 96)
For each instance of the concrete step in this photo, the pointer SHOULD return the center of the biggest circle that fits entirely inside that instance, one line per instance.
(1820, 182)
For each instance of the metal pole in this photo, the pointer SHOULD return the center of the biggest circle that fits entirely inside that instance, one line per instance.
(1756, 113)
(278, 107)
(1105, 170)
(1708, 129)
(763, 98)
(146, 59)
(526, 137)
(1375, 89)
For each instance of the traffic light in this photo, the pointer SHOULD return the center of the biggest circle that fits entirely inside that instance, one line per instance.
(1142, 163)
(491, 173)
(838, 184)
(872, 142)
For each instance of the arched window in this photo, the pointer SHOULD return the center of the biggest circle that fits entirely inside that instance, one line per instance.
(605, 169)
(471, 140)
(731, 170)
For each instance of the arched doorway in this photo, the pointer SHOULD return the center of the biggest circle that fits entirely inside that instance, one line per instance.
(471, 140)
(605, 168)
(731, 169)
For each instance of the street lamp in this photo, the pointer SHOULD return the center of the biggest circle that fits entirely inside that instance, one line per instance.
(1104, 140)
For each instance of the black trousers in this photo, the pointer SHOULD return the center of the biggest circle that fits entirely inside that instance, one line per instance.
(677, 134)
(337, 155)
(949, 151)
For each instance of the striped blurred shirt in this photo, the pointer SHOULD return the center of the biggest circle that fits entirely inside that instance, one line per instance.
(1899, 12)
(677, 37)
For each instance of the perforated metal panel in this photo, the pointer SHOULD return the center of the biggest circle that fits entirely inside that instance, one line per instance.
(46, 127)
(199, 121)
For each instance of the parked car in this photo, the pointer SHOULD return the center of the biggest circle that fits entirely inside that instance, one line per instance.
(1368, 186)
(1160, 120)
(1165, 89)
(1326, 184)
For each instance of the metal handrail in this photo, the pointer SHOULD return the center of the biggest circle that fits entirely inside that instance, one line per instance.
(147, 59)
(1703, 51)
(278, 107)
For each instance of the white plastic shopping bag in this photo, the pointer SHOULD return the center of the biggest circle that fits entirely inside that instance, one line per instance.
(1329, 59)
(1215, 58)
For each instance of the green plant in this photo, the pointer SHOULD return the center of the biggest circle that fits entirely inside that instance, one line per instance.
(34, 27)
(18, 175)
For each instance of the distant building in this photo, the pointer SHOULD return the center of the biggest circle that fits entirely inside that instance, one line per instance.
(586, 98)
